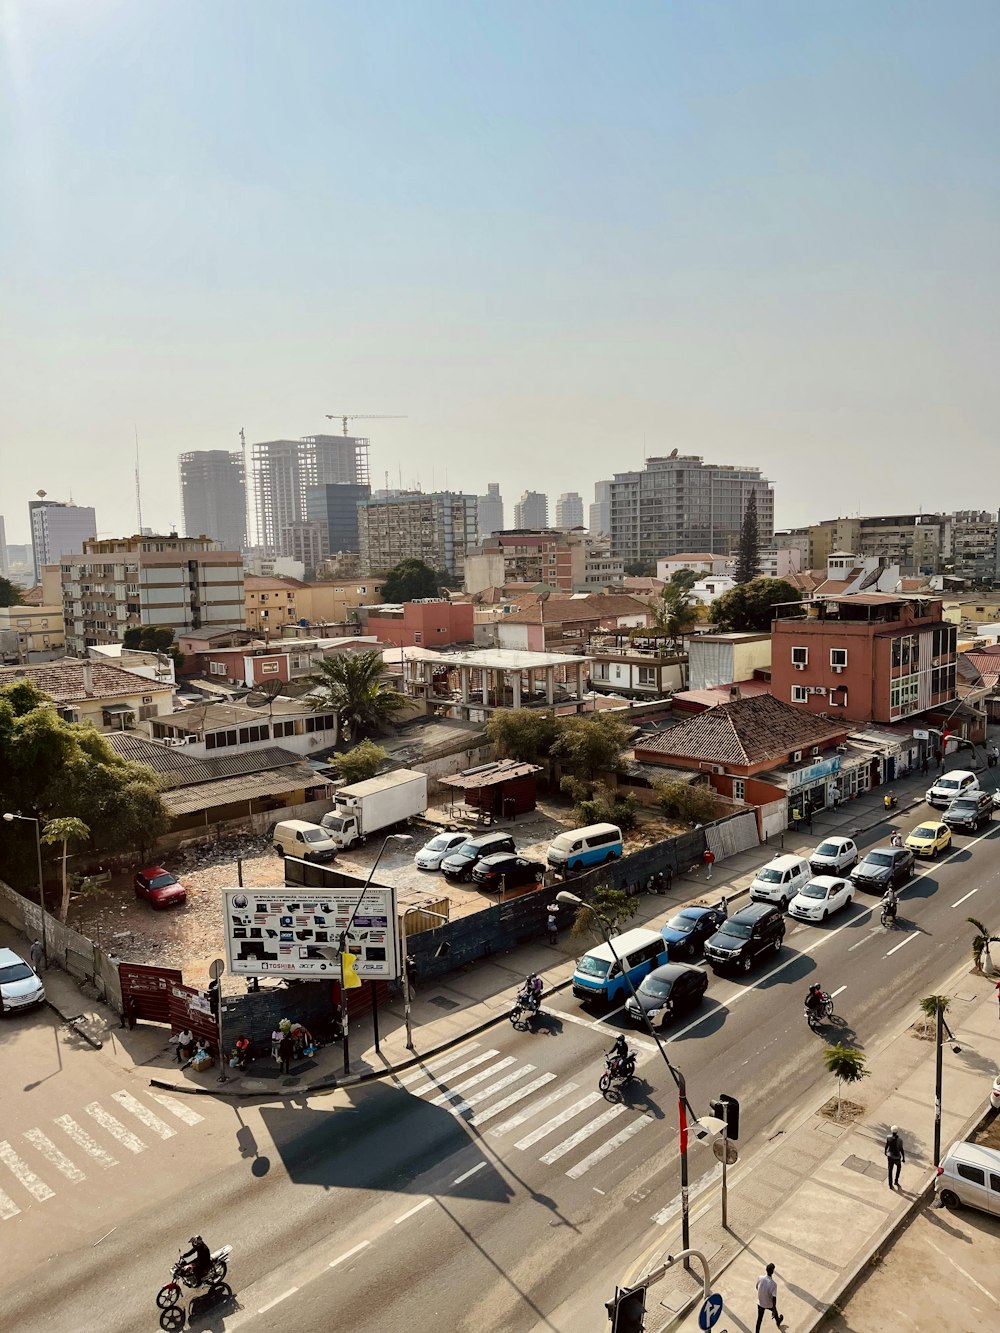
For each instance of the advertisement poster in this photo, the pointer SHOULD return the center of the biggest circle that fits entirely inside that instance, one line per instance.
(279, 932)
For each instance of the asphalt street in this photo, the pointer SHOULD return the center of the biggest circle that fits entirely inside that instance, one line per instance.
(495, 1189)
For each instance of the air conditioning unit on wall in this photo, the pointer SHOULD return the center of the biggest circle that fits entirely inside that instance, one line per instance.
(797, 757)
(799, 666)
(839, 669)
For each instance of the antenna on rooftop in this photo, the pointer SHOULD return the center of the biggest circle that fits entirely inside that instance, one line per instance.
(138, 494)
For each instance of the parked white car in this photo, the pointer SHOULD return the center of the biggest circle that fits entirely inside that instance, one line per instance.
(949, 785)
(20, 984)
(441, 845)
(780, 880)
(834, 856)
(820, 898)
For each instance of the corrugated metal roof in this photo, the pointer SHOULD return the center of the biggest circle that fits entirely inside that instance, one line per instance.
(205, 795)
(491, 775)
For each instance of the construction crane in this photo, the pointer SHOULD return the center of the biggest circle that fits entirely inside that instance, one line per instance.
(345, 417)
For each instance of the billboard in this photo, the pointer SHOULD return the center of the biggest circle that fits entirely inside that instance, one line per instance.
(281, 932)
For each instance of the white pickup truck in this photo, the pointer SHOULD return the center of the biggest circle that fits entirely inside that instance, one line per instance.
(370, 807)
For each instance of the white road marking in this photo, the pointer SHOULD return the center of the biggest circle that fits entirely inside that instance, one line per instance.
(417, 1209)
(966, 898)
(478, 1167)
(969, 1276)
(84, 1141)
(596, 1022)
(115, 1128)
(552, 1125)
(455, 1093)
(432, 1085)
(349, 1254)
(896, 948)
(592, 1126)
(529, 1111)
(641, 1042)
(177, 1108)
(8, 1208)
(839, 991)
(35, 1187)
(481, 1117)
(616, 1141)
(152, 1122)
(435, 1065)
(468, 1102)
(277, 1300)
(52, 1154)
(867, 938)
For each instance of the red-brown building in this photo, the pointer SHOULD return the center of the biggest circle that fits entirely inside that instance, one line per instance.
(867, 657)
(425, 624)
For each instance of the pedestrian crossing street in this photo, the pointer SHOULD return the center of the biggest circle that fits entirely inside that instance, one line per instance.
(34, 1164)
(493, 1087)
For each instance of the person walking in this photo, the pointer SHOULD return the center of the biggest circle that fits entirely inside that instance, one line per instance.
(708, 856)
(836, 794)
(924, 764)
(895, 1154)
(668, 878)
(809, 816)
(37, 956)
(767, 1297)
(286, 1047)
(275, 1043)
(552, 928)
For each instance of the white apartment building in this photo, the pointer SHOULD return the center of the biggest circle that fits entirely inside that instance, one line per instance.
(58, 529)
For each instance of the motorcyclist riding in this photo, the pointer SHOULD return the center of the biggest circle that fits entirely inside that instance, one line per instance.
(890, 903)
(895, 838)
(619, 1053)
(889, 800)
(533, 987)
(201, 1259)
(815, 1000)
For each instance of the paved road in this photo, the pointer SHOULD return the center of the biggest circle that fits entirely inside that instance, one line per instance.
(492, 1189)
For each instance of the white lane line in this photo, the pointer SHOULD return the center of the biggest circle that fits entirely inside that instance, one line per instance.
(588, 1023)
(417, 1209)
(596, 1022)
(431, 1085)
(435, 1065)
(478, 1167)
(567, 1145)
(277, 1300)
(35, 1187)
(152, 1122)
(552, 1125)
(455, 1093)
(52, 1154)
(467, 1103)
(177, 1108)
(349, 1254)
(969, 1276)
(867, 939)
(966, 898)
(902, 944)
(8, 1208)
(616, 1141)
(83, 1140)
(839, 991)
(481, 1117)
(115, 1128)
(529, 1111)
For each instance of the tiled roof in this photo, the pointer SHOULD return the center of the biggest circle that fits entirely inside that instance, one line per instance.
(692, 555)
(749, 731)
(566, 610)
(270, 583)
(32, 596)
(64, 682)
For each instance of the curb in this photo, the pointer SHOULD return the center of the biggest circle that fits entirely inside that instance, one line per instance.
(74, 1024)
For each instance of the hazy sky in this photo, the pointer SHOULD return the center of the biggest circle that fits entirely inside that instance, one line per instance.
(554, 235)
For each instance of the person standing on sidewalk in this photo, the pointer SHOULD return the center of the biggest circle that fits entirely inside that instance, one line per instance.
(552, 928)
(767, 1297)
(895, 1153)
(286, 1048)
(708, 856)
(37, 956)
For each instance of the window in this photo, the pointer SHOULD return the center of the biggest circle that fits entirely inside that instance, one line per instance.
(838, 698)
(417, 636)
(216, 668)
(215, 740)
(647, 675)
(838, 657)
(739, 789)
(283, 729)
(972, 1173)
(799, 694)
(800, 656)
(268, 668)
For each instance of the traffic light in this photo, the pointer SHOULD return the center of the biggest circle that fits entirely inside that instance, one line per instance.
(627, 1310)
(727, 1109)
(215, 998)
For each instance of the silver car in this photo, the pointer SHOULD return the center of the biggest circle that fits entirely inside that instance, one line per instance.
(20, 985)
(441, 845)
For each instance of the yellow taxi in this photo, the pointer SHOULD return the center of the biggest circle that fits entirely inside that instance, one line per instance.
(929, 839)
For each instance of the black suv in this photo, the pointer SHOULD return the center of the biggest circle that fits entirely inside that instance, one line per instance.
(970, 810)
(883, 866)
(744, 936)
(459, 863)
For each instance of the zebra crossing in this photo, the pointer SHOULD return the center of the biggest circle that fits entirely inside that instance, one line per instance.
(35, 1163)
(466, 1082)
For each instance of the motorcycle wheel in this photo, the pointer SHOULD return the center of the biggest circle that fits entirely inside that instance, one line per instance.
(515, 1017)
(172, 1318)
(219, 1271)
(604, 1082)
(168, 1296)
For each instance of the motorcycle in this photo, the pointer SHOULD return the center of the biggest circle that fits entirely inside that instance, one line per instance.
(183, 1272)
(888, 916)
(816, 1014)
(526, 1007)
(616, 1070)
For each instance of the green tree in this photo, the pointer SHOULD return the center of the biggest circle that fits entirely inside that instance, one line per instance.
(10, 593)
(930, 1005)
(750, 606)
(685, 579)
(603, 806)
(357, 688)
(361, 763)
(408, 581)
(65, 830)
(641, 569)
(526, 734)
(672, 612)
(153, 639)
(614, 905)
(981, 941)
(748, 559)
(590, 743)
(847, 1065)
(696, 804)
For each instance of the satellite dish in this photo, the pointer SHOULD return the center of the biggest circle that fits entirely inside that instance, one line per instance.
(264, 693)
(672, 454)
(41, 494)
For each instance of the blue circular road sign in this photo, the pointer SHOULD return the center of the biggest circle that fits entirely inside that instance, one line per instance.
(710, 1312)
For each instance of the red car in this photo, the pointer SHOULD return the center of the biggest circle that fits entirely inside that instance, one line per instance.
(159, 887)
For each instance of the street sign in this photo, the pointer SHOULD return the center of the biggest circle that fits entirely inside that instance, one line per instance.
(732, 1155)
(216, 969)
(710, 1312)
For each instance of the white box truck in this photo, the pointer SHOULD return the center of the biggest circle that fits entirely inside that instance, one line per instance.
(366, 808)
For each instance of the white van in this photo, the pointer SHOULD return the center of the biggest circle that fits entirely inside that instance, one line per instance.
(309, 842)
(780, 880)
(970, 1174)
(589, 846)
(949, 785)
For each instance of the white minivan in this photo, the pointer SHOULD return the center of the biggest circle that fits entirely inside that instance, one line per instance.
(970, 1174)
(949, 785)
(309, 842)
(780, 880)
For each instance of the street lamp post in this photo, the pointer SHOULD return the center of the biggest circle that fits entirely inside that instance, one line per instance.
(392, 837)
(683, 1109)
(404, 971)
(29, 819)
(941, 1027)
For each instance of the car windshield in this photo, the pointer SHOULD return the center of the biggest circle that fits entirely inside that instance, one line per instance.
(332, 822)
(15, 972)
(439, 844)
(814, 891)
(163, 881)
(589, 966)
(767, 876)
(925, 831)
(741, 929)
(963, 807)
(879, 858)
(682, 923)
(658, 990)
(314, 835)
(829, 849)
(465, 853)
(947, 784)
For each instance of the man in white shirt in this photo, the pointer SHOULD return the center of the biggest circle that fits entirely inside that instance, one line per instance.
(767, 1297)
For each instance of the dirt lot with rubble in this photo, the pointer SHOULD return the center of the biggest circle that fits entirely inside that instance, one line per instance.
(190, 937)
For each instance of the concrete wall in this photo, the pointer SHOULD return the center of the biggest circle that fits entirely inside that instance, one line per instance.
(256, 824)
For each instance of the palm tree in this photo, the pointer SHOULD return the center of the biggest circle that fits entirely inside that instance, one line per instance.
(356, 687)
(930, 1005)
(64, 830)
(981, 942)
(672, 612)
(847, 1064)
